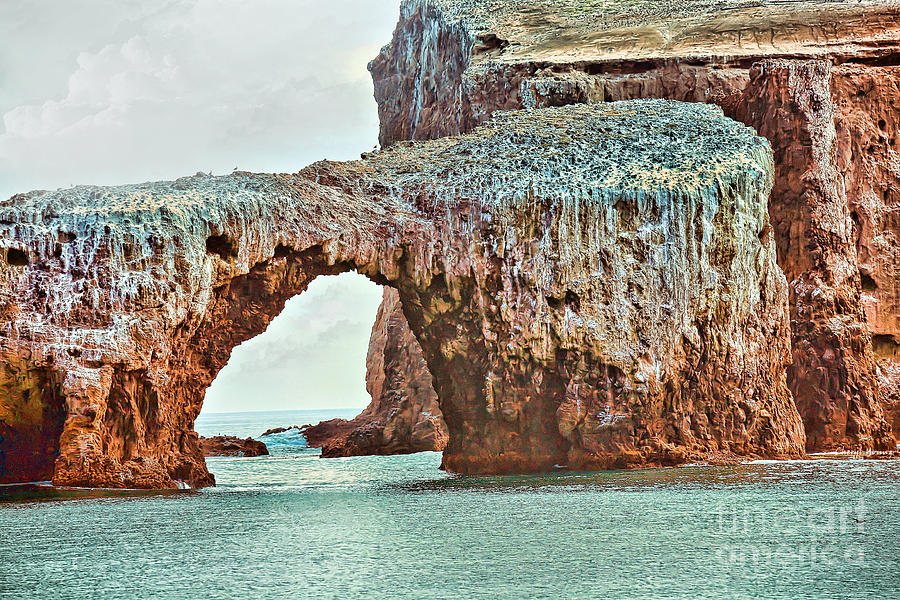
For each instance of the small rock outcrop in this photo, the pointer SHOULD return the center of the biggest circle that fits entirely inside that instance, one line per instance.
(277, 430)
(591, 286)
(229, 445)
(404, 415)
(819, 79)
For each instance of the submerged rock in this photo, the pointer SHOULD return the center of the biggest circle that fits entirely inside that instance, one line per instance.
(276, 430)
(590, 285)
(830, 112)
(229, 445)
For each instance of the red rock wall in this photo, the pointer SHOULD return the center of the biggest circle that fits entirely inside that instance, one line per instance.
(834, 207)
(867, 107)
(833, 376)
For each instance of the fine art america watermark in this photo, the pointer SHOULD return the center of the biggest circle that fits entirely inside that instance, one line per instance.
(789, 536)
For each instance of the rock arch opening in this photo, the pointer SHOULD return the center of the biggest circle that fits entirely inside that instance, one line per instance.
(311, 356)
(404, 414)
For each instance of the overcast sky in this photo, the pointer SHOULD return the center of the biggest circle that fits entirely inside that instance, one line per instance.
(118, 91)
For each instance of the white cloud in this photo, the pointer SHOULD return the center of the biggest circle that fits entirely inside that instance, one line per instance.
(196, 85)
(116, 91)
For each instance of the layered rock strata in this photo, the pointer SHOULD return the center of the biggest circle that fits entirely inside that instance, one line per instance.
(590, 286)
(819, 79)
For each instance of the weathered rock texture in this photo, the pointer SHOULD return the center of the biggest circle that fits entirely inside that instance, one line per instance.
(824, 183)
(590, 286)
(453, 62)
(404, 415)
(229, 445)
(819, 79)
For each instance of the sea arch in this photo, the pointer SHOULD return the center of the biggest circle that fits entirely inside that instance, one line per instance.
(591, 286)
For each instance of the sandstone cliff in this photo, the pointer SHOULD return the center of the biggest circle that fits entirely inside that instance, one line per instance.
(830, 111)
(590, 286)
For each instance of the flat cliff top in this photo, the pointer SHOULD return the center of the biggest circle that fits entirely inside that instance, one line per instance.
(630, 146)
(615, 148)
(559, 30)
(181, 196)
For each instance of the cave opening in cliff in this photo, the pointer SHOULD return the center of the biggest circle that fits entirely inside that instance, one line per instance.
(312, 355)
(31, 422)
(16, 257)
(222, 246)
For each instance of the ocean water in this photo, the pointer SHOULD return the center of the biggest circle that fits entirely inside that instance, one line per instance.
(253, 424)
(292, 525)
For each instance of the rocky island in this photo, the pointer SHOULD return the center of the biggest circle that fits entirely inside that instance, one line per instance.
(820, 80)
(679, 245)
(591, 286)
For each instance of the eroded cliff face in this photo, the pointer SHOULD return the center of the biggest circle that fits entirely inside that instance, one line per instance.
(829, 111)
(610, 373)
(590, 286)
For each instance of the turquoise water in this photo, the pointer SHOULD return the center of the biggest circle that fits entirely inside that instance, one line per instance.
(292, 525)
